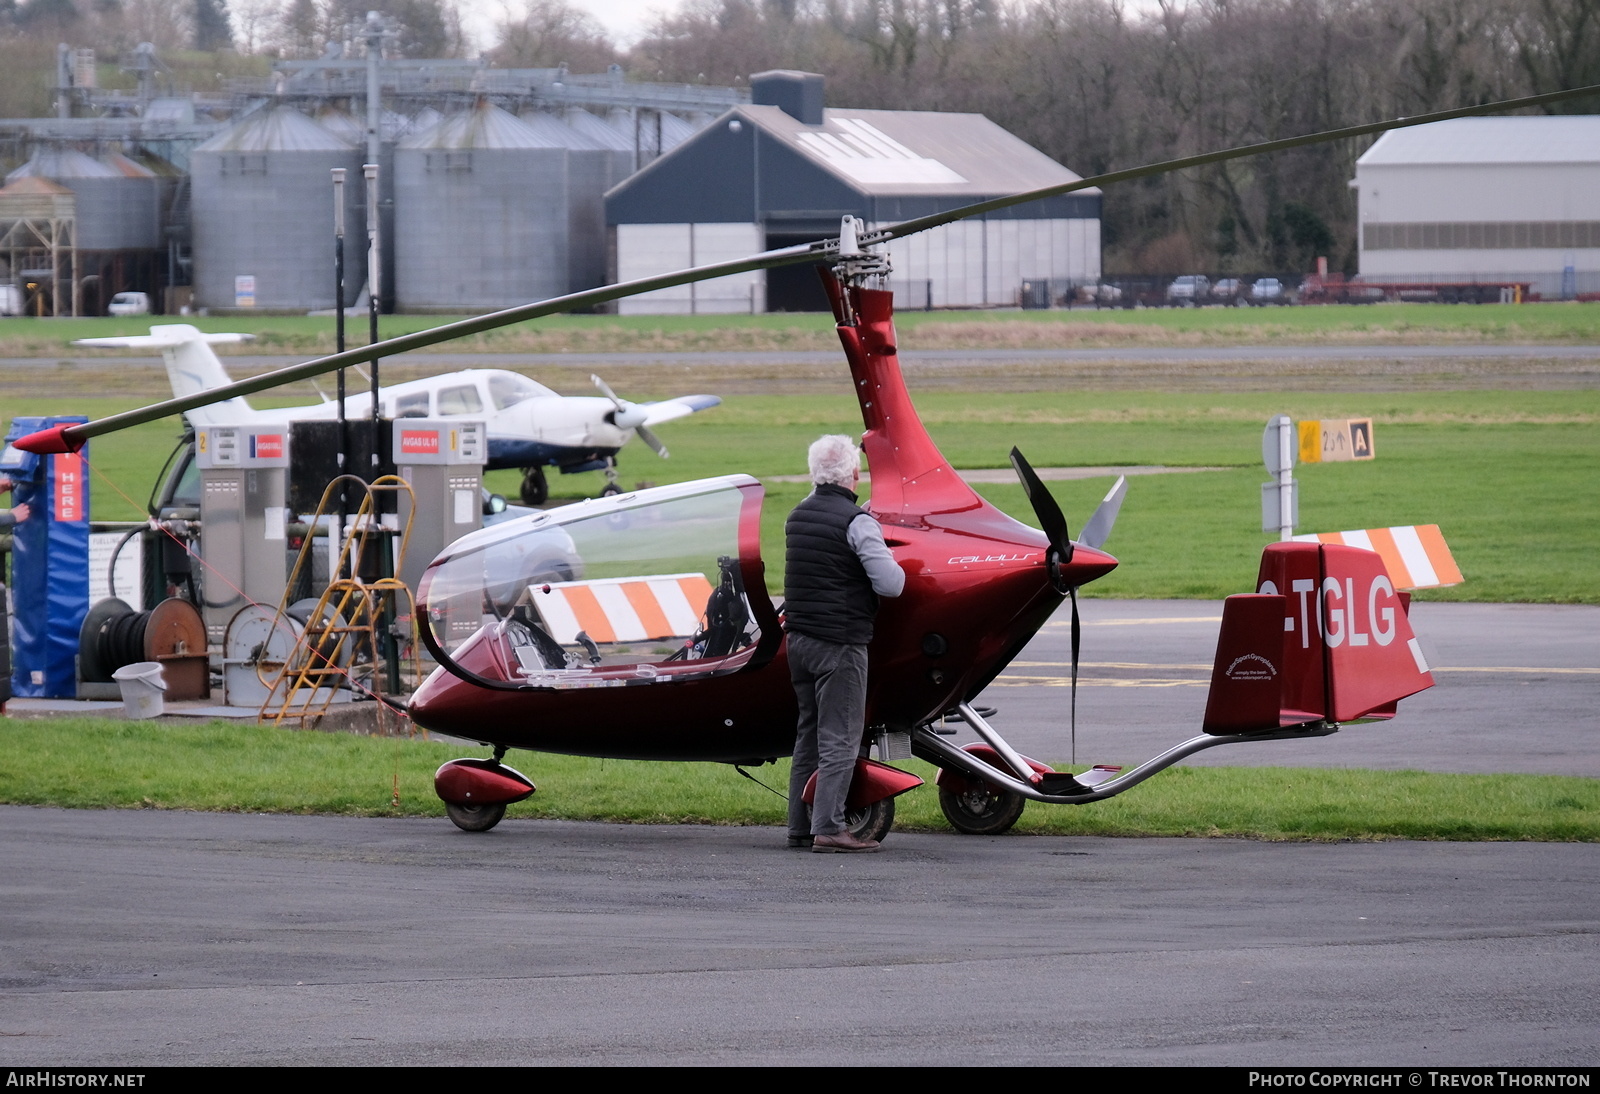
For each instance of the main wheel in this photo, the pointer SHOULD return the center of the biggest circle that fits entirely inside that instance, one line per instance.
(871, 821)
(981, 811)
(474, 818)
(535, 488)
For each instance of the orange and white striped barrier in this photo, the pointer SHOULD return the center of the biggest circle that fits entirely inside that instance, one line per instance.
(1415, 555)
(623, 609)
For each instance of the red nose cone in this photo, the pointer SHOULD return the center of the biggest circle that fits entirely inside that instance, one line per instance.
(1087, 564)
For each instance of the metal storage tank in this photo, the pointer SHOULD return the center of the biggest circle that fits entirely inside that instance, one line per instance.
(480, 214)
(262, 200)
(593, 167)
(119, 201)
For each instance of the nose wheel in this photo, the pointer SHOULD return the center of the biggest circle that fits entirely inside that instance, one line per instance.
(475, 818)
(981, 810)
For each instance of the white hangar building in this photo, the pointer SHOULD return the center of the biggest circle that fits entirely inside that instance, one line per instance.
(783, 170)
(1484, 199)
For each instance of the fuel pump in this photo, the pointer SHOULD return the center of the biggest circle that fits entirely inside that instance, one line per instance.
(244, 477)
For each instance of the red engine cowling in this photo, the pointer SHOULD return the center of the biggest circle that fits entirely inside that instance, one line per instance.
(871, 783)
(475, 781)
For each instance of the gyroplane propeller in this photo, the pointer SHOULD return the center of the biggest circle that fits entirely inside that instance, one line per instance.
(666, 646)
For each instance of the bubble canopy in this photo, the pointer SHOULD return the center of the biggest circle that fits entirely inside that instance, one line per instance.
(641, 588)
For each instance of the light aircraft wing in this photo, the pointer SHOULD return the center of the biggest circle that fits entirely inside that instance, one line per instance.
(681, 407)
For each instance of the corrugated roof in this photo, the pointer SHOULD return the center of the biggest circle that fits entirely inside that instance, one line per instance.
(127, 168)
(674, 131)
(600, 132)
(354, 129)
(884, 152)
(64, 163)
(32, 184)
(282, 129)
(557, 131)
(484, 126)
(1565, 138)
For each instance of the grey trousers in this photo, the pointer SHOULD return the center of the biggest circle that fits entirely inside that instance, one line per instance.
(830, 682)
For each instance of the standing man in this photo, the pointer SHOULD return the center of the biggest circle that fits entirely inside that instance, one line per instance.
(9, 517)
(836, 568)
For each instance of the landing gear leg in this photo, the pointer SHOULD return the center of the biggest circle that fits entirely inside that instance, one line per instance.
(611, 489)
(535, 490)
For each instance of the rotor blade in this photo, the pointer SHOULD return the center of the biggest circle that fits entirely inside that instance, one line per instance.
(645, 434)
(1098, 530)
(922, 224)
(1051, 518)
(820, 251)
(75, 435)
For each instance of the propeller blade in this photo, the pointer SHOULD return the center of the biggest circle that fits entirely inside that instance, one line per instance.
(1098, 530)
(627, 415)
(1051, 519)
(647, 435)
(1077, 636)
(605, 389)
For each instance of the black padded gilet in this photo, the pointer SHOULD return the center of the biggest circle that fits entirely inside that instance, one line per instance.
(826, 591)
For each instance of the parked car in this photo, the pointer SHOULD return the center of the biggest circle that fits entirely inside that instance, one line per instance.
(129, 303)
(1229, 291)
(1267, 290)
(1101, 295)
(1190, 290)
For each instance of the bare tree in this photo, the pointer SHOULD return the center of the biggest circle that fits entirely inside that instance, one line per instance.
(549, 33)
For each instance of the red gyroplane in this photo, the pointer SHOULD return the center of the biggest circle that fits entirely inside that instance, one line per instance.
(551, 632)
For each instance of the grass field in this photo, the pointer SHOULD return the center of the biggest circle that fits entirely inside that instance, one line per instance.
(88, 763)
(1377, 324)
(1509, 476)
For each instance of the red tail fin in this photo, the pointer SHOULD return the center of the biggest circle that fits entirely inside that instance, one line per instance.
(1349, 647)
(1326, 637)
(1247, 679)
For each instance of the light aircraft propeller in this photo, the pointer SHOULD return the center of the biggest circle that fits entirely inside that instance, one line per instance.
(631, 416)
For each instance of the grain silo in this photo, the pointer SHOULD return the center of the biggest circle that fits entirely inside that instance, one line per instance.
(119, 201)
(117, 238)
(480, 214)
(594, 165)
(263, 214)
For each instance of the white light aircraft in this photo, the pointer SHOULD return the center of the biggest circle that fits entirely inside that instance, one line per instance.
(530, 426)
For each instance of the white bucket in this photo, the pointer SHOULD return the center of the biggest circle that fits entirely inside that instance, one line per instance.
(143, 688)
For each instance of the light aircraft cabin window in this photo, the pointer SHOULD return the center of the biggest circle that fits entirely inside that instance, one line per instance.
(460, 400)
(610, 592)
(508, 389)
(414, 405)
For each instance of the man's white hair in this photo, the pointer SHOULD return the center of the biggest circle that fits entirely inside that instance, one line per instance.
(834, 459)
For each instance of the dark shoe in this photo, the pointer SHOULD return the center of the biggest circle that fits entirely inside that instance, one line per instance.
(842, 843)
(800, 843)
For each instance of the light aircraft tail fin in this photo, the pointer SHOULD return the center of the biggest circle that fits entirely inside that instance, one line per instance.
(1325, 639)
(192, 366)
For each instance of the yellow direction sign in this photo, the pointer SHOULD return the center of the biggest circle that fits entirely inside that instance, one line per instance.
(1336, 440)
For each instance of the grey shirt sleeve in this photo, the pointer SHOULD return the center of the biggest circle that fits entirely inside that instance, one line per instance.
(866, 540)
